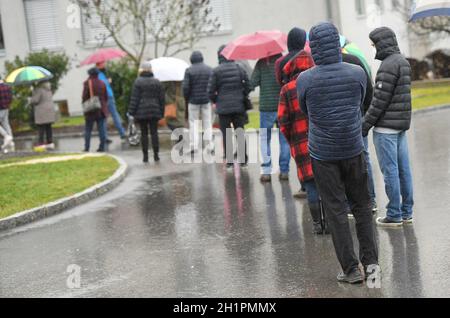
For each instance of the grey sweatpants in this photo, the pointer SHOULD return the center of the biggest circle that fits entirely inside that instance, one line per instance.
(5, 128)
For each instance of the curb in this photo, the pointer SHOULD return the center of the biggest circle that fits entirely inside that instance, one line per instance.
(431, 109)
(61, 205)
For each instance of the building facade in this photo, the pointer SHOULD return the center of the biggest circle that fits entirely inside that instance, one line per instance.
(32, 25)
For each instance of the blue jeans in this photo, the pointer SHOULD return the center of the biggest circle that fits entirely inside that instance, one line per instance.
(116, 118)
(89, 126)
(311, 191)
(393, 157)
(370, 171)
(267, 121)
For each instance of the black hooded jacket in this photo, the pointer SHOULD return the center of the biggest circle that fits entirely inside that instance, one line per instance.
(228, 86)
(391, 105)
(195, 84)
(147, 98)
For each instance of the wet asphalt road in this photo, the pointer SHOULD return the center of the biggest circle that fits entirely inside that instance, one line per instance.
(200, 231)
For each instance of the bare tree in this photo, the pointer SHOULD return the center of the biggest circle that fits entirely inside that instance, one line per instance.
(437, 25)
(172, 26)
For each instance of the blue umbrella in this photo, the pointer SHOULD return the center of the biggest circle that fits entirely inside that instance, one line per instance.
(430, 8)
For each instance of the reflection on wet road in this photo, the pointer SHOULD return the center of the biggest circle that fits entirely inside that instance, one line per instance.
(200, 231)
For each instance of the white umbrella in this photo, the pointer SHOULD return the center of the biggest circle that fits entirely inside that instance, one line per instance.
(430, 8)
(169, 69)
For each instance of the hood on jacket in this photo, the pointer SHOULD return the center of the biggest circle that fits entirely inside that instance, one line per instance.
(45, 85)
(222, 59)
(325, 44)
(301, 62)
(196, 57)
(385, 42)
(296, 39)
(93, 72)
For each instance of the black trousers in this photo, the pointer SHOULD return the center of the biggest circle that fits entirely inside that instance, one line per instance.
(238, 121)
(337, 181)
(152, 125)
(45, 131)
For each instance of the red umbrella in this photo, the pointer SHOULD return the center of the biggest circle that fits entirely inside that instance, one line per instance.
(103, 55)
(256, 46)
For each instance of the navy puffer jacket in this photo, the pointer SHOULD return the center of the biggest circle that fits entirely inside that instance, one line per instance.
(228, 86)
(195, 84)
(331, 94)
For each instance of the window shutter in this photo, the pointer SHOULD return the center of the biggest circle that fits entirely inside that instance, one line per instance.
(94, 31)
(43, 28)
(221, 9)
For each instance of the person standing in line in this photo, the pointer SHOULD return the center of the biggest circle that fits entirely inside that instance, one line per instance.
(352, 59)
(390, 114)
(294, 126)
(44, 113)
(147, 107)
(228, 87)
(112, 108)
(331, 94)
(296, 44)
(93, 86)
(6, 98)
(195, 89)
(264, 77)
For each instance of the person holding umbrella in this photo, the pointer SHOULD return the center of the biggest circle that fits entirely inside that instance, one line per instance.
(228, 88)
(264, 77)
(44, 113)
(112, 108)
(5, 102)
(92, 87)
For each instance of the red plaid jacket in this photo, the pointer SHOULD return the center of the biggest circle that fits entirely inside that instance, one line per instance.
(5, 96)
(293, 122)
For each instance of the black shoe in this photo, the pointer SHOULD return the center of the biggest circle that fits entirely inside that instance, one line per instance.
(156, 157)
(101, 150)
(386, 222)
(284, 177)
(317, 228)
(145, 160)
(408, 220)
(109, 141)
(355, 277)
(230, 165)
(300, 195)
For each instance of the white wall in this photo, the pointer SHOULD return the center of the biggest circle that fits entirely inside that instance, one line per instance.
(248, 16)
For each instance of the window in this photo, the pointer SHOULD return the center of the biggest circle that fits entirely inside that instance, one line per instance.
(2, 40)
(43, 28)
(380, 5)
(94, 31)
(221, 9)
(360, 7)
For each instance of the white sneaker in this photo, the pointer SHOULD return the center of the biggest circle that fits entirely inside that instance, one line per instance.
(7, 142)
(50, 146)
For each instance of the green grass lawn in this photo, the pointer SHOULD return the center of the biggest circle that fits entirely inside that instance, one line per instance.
(26, 187)
(62, 123)
(424, 97)
(32, 157)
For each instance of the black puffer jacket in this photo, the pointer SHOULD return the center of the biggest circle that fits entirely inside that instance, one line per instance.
(147, 98)
(391, 105)
(228, 85)
(195, 84)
